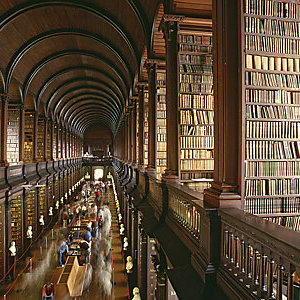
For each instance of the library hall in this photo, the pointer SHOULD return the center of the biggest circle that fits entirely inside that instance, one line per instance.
(149, 149)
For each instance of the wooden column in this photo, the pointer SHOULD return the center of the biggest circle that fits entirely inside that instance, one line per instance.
(57, 142)
(45, 138)
(151, 68)
(62, 140)
(170, 29)
(144, 265)
(227, 111)
(129, 145)
(67, 144)
(21, 134)
(35, 137)
(141, 89)
(50, 123)
(3, 129)
(133, 132)
(125, 138)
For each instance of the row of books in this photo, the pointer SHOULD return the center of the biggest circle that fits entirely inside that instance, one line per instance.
(161, 114)
(195, 39)
(272, 130)
(272, 205)
(161, 162)
(161, 137)
(162, 147)
(205, 176)
(272, 168)
(196, 164)
(199, 78)
(272, 44)
(272, 111)
(291, 222)
(278, 9)
(16, 222)
(203, 59)
(196, 154)
(205, 130)
(195, 87)
(272, 63)
(195, 48)
(196, 142)
(188, 68)
(196, 101)
(13, 136)
(267, 187)
(273, 96)
(272, 27)
(273, 80)
(272, 150)
(198, 186)
(195, 117)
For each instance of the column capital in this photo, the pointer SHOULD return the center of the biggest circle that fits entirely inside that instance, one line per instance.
(169, 25)
(3, 97)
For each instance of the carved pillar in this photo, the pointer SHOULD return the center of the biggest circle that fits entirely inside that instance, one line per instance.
(62, 142)
(170, 30)
(129, 145)
(125, 138)
(21, 134)
(50, 123)
(151, 68)
(227, 111)
(141, 125)
(35, 137)
(3, 129)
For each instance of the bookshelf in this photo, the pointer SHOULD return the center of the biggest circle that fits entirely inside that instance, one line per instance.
(2, 238)
(59, 153)
(40, 139)
(42, 200)
(13, 126)
(56, 191)
(31, 210)
(54, 148)
(61, 186)
(16, 222)
(49, 142)
(28, 137)
(50, 194)
(137, 132)
(161, 122)
(195, 105)
(146, 109)
(270, 83)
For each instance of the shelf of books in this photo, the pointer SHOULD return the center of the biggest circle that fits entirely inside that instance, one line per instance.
(49, 142)
(50, 194)
(56, 191)
(61, 186)
(161, 122)
(54, 148)
(137, 132)
(146, 109)
(13, 135)
(28, 137)
(42, 200)
(195, 105)
(2, 237)
(40, 139)
(31, 210)
(58, 145)
(271, 100)
(16, 223)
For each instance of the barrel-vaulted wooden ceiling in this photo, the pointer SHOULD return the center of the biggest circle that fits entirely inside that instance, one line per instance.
(76, 61)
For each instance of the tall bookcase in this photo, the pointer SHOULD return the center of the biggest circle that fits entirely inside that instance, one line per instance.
(161, 122)
(56, 190)
(16, 222)
(49, 142)
(195, 104)
(31, 210)
(271, 99)
(146, 110)
(2, 237)
(40, 139)
(42, 200)
(54, 149)
(50, 194)
(13, 135)
(28, 137)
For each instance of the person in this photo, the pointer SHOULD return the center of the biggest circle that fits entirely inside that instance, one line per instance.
(88, 238)
(48, 291)
(87, 248)
(63, 247)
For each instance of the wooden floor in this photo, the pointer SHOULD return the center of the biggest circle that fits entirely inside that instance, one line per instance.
(29, 286)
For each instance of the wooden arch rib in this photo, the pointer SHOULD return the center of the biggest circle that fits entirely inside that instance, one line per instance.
(19, 10)
(25, 48)
(63, 53)
(49, 80)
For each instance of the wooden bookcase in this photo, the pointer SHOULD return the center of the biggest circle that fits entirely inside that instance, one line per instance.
(56, 190)
(40, 139)
(146, 110)
(195, 105)
(50, 194)
(16, 222)
(271, 106)
(161, 122)
(49, 142)
(13, 135)
(31, 211)
(42, 200)
(28, 137)
(54, 149)
(2, 239)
